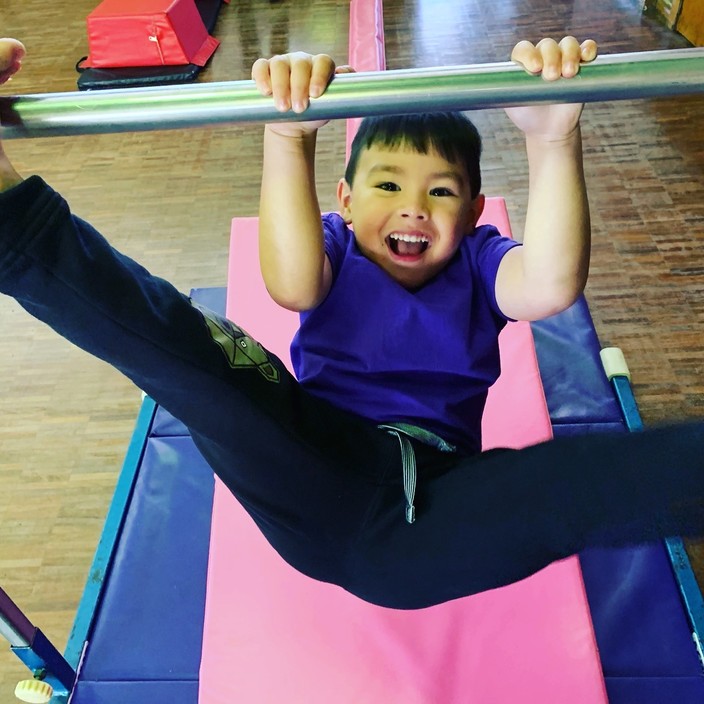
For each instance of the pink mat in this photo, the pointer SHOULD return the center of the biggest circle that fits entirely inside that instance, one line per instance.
(366, 46)
(272, 635)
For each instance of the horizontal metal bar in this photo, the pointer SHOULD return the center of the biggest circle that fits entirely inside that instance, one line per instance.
(611, 77)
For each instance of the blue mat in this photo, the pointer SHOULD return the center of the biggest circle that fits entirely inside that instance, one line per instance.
(642, 631)
(147, 639)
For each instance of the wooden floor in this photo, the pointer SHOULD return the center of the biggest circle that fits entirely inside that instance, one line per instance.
(167, 200)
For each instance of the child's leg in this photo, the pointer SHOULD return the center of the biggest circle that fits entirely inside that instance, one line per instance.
(303, 469)
(502, 516)
(319, 482)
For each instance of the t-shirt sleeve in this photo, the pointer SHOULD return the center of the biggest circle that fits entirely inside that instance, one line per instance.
(492, 246)
(335, 232)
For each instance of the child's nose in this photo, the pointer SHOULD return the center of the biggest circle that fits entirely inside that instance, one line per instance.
(415, 209)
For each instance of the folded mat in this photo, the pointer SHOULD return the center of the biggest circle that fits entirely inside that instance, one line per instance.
(135, 76)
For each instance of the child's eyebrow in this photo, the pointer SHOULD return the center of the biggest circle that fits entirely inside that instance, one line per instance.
(388, 168)
(453, 175)
(392, 169)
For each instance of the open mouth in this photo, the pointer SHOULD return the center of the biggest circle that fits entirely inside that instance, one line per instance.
(404, 245)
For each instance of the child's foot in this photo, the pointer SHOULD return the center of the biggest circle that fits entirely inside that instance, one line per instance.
(11, 54)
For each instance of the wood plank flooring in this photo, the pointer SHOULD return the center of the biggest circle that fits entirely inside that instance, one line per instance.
(167, 198)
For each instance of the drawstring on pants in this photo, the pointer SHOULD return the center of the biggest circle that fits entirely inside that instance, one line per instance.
(404, 431)
(408, 461)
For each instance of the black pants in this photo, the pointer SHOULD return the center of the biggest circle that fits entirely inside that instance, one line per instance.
(325, 486)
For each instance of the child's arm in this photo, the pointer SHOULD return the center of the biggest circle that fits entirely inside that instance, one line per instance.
(549, 272)
(296, 271)
(11, 54)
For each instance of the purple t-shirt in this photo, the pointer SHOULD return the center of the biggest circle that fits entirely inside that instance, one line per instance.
(424, 357)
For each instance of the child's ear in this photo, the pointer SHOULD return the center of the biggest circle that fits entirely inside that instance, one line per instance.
(344, 197)
(475, 211)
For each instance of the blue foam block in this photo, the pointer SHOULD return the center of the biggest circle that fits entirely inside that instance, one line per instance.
(576, 388)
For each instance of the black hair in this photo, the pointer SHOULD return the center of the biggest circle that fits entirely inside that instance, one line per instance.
(452, 135)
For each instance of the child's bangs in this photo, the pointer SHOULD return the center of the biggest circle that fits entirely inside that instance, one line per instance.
(415, 133)
(451, 135)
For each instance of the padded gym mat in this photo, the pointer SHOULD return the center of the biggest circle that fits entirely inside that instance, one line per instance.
(284, 636)
(105, 78)
(643, 636)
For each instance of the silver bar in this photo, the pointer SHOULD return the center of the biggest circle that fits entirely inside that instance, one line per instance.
(612, 77)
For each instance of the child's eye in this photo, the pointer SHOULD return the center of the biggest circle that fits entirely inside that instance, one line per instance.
(442, 191)
(388, 186)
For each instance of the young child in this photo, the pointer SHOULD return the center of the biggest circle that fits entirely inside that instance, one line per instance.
(416, 267)
(408, 514)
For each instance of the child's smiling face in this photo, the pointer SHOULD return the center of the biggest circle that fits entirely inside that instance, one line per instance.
(409, 211)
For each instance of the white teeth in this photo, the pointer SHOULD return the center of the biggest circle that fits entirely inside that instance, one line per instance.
(409, 238)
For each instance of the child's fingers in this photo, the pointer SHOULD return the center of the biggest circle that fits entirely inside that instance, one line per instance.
(11, 54)
(554, 60)
(293, 78)
(589, 50)
(525, 54)
(11, 51)
(300, 80)
(260, 75)
(551, 54)
(321, 74)
(280, 79)
(571, 57)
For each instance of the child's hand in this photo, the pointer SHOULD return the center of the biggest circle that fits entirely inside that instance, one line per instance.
(11, 54)
(552, 61)
(293, 79)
